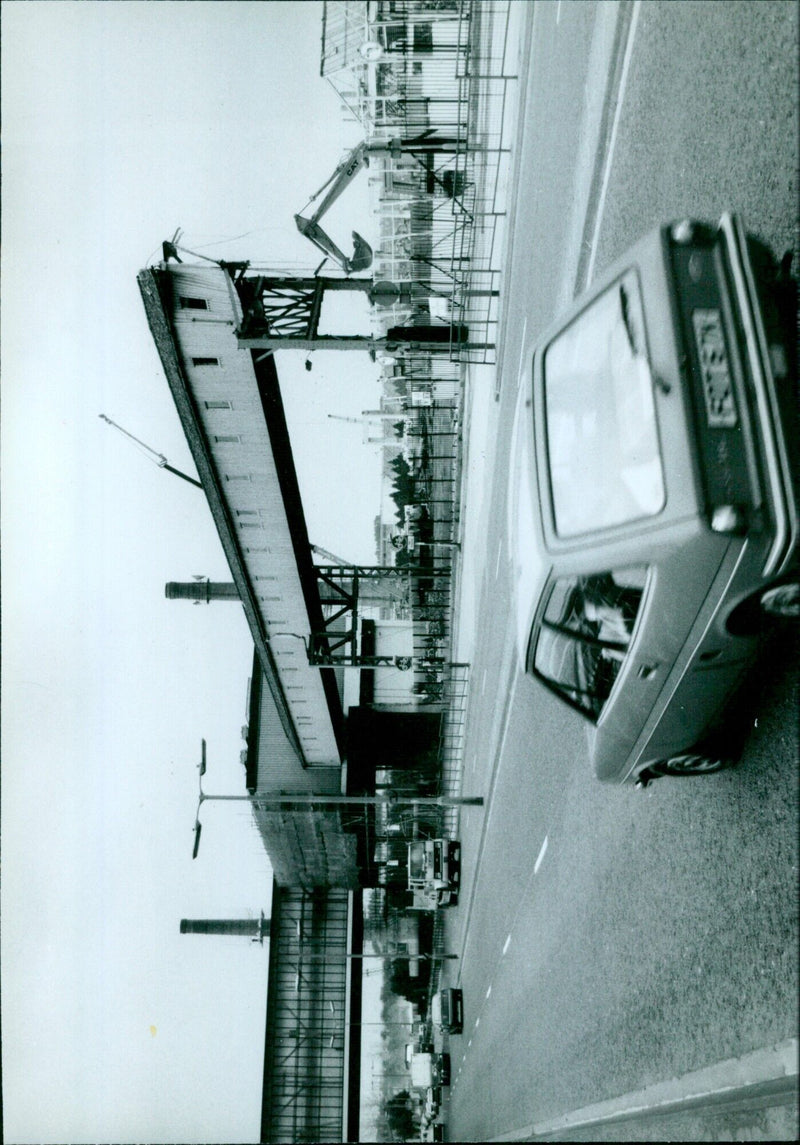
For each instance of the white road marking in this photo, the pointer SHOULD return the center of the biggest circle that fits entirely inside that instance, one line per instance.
(558, 13)
(488, 992)
(483, 680)
(506, 944)
(497, 566)
(477, 1021)
(607, 171)
(469, 1043)
(538, 862)
(508, 676)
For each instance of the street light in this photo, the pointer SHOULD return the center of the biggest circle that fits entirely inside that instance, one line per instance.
(198, 826)
(271, 799)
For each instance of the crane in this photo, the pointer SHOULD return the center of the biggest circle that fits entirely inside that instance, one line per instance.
(159, 458)
(338, 182)
(332, 557)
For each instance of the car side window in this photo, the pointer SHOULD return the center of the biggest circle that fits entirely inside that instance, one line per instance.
(584, 634)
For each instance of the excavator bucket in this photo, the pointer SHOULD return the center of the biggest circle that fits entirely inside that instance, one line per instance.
(362, 254)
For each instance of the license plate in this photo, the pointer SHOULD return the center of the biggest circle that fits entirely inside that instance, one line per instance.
(715, 370)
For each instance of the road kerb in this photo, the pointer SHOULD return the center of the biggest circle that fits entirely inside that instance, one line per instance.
(771, 1072)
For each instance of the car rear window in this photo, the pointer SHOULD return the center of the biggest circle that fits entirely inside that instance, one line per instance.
(602, 437)
(584, 634)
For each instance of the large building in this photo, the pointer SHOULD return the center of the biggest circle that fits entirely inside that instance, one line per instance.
(230, 406)
(231, 411)
(228, 397)
(298, 740)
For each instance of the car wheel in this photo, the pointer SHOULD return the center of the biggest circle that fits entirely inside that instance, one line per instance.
(782, 601)
(690, 763)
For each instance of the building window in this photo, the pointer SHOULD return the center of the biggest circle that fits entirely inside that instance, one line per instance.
(253, 520)
(193, 303)
(205, 361)
(218, 405)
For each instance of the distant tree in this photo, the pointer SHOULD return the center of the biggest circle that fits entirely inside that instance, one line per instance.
(399, 1116)
(402, 485)
(412, 989)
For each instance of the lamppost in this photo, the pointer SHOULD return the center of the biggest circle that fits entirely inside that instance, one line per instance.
(274, 799)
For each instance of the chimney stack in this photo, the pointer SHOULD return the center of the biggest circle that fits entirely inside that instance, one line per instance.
(255, 928)
(200, 590)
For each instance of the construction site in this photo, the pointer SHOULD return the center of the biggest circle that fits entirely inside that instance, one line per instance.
(354, 739)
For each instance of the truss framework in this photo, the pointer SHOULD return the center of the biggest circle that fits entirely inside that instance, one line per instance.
(340, 647)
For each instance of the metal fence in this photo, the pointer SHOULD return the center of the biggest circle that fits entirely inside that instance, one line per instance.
(431, 80)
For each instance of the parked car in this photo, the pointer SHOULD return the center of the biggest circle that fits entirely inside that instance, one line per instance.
(432, 1131)
(447, 1010)
(433, 1103)
(653, 506)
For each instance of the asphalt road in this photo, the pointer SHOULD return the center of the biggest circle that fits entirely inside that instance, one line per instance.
(611, 938)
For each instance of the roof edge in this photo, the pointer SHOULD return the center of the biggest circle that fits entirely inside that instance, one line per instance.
(154, 287)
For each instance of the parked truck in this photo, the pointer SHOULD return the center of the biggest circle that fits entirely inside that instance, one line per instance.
(434, 872)
(429, 1070)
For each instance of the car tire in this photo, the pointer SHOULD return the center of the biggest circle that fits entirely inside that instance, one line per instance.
(778, 604)
(782, 601)
(691, 763)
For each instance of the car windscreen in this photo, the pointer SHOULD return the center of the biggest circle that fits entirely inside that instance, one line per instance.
(416, 860)
(602, 438)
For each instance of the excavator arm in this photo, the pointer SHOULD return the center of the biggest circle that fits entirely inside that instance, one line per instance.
(338, 182)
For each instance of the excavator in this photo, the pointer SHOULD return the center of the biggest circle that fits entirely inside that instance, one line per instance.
(338, 182)
(424, 145)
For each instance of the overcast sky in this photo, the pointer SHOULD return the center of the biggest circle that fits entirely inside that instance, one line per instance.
(121, 122)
